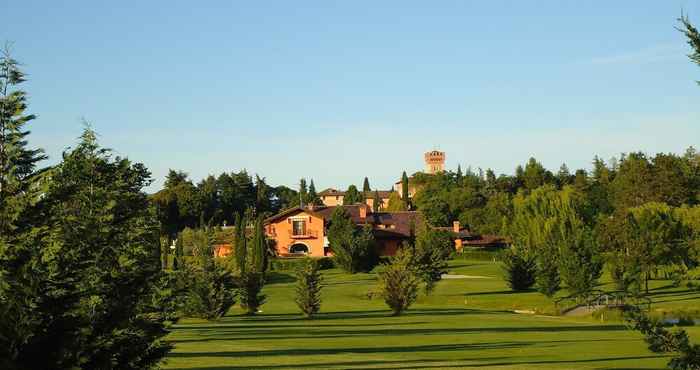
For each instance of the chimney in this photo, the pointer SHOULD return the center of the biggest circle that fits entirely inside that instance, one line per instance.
(363, 211)
(455, 226)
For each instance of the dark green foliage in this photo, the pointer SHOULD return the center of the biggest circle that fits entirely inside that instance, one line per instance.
(303, 192)
(376, 202)
(293, 264)
(312, 196)
(430, 254)
(210, 287)
(365, 186)
(308, 288)
(353, 196)
(404, 188)
(581, 265)
(353, 247)
(240, 249)
(693, 38)
(258, 248)
(547, 279)
(178, 257)
(263, 203)
(519, 269)
(250, 286)
(685, 355)
(396, 204)
(89, 292)
(398, 282)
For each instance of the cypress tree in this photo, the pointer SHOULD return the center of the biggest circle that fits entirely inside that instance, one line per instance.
(404, 188)
(239, 245)
(377, 202)
(308, 288)
(303, 192)
(365, 186)
(312, 196)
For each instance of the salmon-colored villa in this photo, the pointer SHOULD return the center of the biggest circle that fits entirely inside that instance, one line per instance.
(303, 230)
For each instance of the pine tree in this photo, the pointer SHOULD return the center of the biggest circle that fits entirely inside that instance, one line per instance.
(398, 282)
(92, 284)
(519, 270)
(459, 172)
(262, 196)
(210, 292)
(308, 288)
(17, 161)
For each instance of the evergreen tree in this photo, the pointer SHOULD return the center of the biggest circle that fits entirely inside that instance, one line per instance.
(303, 192)
(365, 186)
(262, 195)
(693, 36)
(240, 249)
(252, 278)
(210, 292)
(17, 160)
(90, 293)
(519, 269)
(312, 196)
(353, 247)
(250, 285)
(459, 172)
(564, 175)
(258, 248)
(308, 288)
(353, 196)
(396, 204)
(376, 202)
(398, 282)
(430, 254)
(404, 188)
(581, 266)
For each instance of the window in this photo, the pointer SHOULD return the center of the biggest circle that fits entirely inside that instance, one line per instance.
(298, 227)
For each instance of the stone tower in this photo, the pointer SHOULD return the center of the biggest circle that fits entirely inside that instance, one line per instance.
(434, 162)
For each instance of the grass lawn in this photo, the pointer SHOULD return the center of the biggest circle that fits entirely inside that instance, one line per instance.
(464, 323)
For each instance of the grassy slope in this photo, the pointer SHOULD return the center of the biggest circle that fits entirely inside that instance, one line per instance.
(464, 323)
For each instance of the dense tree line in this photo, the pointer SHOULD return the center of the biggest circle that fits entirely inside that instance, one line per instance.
(216, 200)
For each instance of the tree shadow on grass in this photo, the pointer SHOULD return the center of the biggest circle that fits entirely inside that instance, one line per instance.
(354, 350)
(274, 277)
(345, 315)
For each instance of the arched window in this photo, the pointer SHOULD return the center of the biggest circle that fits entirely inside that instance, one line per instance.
(299, 249)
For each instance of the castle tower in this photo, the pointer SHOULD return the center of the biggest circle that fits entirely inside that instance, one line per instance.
(434, 162)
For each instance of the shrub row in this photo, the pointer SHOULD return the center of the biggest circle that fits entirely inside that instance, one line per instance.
(293, 264)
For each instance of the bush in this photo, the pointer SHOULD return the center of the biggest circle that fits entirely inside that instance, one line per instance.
(294, 264)
(399, 284)
(308, 289)
(519, 270)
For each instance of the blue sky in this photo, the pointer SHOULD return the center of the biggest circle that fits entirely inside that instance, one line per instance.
(336, 91)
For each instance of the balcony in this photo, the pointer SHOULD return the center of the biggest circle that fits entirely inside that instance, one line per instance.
(307, 234)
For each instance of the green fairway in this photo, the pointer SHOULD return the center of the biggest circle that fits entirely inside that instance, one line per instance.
(465, 323)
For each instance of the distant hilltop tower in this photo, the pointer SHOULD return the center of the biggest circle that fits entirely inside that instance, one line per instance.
(434, 162)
